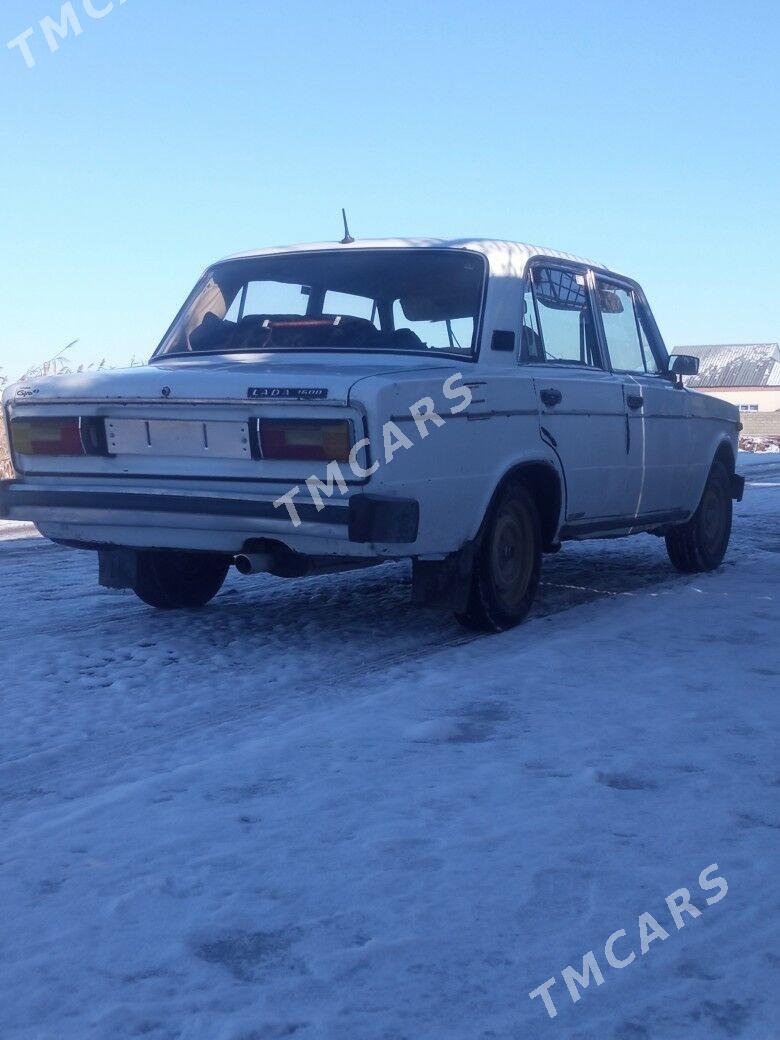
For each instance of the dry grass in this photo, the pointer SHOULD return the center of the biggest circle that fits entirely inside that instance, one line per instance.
(57, 366)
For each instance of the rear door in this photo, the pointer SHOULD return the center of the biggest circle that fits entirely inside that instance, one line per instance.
(658, 411)
(582, 405)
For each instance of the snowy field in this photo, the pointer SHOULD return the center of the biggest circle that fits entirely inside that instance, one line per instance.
(313, 811)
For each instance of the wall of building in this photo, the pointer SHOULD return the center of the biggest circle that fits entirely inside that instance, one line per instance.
(760, 424)
(766, 397)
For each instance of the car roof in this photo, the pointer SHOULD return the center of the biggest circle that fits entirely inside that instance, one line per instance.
(506, 259)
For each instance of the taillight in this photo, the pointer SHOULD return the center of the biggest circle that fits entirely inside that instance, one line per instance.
(47, 437)
(308, 440)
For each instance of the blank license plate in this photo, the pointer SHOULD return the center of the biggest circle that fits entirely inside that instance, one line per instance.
(172, 437)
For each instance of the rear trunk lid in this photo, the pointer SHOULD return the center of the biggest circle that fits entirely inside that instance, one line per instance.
(198, 418)
(234, 378)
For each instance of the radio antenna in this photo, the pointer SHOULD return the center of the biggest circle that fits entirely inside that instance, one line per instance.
(347, 240)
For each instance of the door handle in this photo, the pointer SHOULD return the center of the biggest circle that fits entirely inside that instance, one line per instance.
(635, 401)
(551, 397)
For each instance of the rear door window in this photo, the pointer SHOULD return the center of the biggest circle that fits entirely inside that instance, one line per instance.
(565, 317)
(530, 341)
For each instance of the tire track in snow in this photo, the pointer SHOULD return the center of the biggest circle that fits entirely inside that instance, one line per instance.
(577, 577)
(40, 770)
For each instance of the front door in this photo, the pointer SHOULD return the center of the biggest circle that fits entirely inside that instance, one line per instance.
(667, 451)
(582, 405)
(657, 409)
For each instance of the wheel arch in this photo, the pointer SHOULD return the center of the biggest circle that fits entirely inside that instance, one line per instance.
(721, 450)
(546, 484)
(724, 453)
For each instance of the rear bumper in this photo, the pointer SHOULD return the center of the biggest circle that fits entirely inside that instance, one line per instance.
(362, 519)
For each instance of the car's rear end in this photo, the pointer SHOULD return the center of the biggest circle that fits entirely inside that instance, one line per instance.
(244, 437)
(150, 458)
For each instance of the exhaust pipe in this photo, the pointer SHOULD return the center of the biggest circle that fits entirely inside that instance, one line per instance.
(288, 564)
(253, 563)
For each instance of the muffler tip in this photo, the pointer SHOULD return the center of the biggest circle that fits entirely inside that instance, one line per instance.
(243, 564)
(251, 563)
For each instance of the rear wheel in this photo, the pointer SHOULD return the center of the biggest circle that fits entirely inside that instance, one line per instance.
(508, 564)
(701, 543)
(172, 580)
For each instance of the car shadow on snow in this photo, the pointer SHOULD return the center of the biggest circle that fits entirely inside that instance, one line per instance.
(346, 610)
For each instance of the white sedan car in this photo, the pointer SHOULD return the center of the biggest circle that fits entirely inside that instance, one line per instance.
(468, 405)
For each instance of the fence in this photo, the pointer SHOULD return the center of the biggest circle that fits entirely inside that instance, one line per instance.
(760, 424)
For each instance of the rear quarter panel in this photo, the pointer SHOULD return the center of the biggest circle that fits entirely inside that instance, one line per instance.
(455, 469)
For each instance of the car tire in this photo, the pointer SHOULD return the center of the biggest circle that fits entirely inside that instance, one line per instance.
(507, 566)
(701, 543)
(171, 580)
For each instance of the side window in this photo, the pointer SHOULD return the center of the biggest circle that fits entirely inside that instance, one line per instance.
(651, 363)
(531, 342)
(565, 318)
(234, 310)
(621, 328)
(627, 342)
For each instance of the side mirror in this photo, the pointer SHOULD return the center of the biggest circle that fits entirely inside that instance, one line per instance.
(684, 365)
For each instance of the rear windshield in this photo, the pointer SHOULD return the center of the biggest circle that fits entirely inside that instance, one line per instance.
(422, 301)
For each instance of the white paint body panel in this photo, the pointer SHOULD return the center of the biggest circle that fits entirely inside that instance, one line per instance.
(610, 463)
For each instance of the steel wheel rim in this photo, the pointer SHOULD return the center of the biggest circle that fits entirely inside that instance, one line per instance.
(713, 518)
(511, 563)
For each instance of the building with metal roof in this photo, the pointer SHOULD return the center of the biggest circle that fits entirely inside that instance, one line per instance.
(735, 365)
(744, 374)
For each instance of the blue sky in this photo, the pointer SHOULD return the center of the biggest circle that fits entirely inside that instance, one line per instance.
(645, 135)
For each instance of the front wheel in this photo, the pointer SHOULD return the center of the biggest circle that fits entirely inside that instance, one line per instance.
(508, 564)
(172, 580)
(701, 543)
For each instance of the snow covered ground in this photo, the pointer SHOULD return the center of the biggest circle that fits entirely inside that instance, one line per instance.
(313, 811)
(10, 530)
